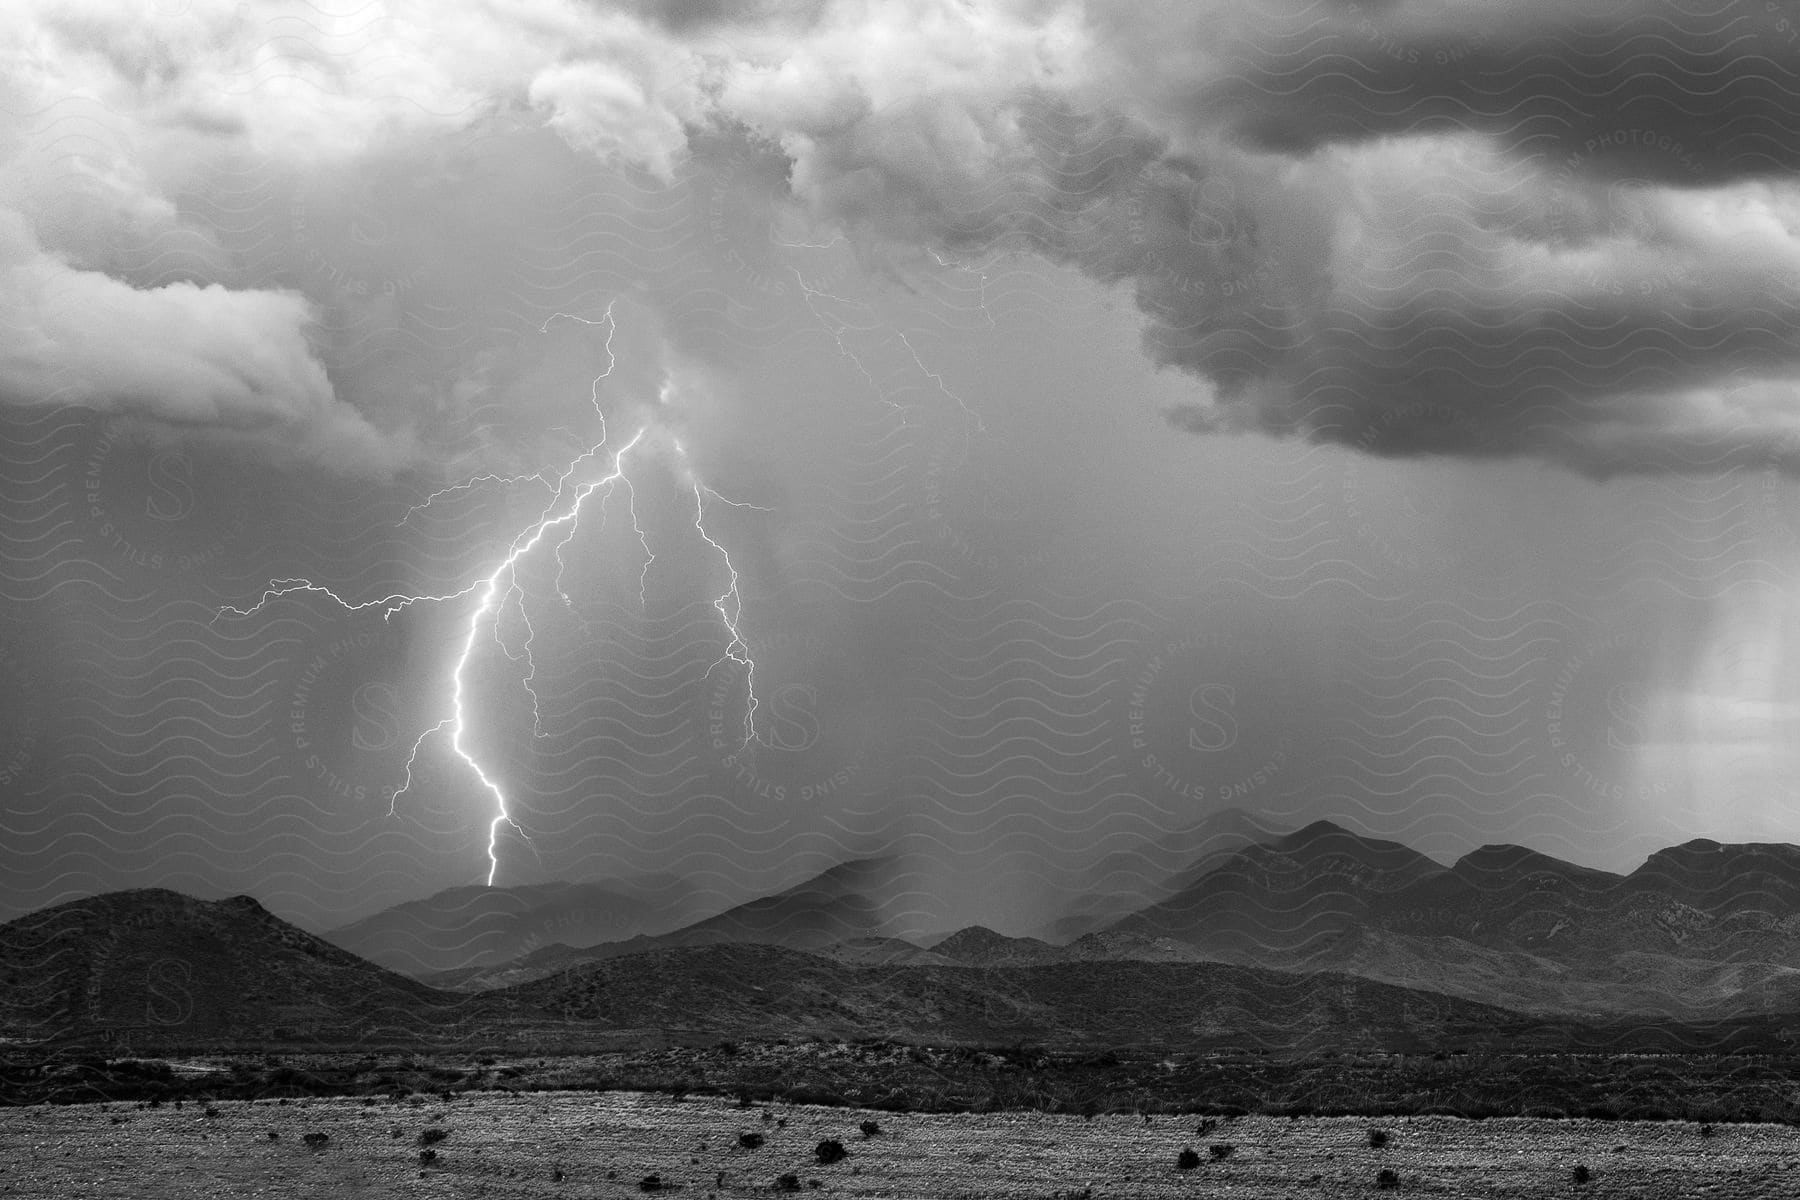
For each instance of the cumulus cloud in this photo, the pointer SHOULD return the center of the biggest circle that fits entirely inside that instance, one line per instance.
(1563, 230)
(184, 356)
(1566, 229)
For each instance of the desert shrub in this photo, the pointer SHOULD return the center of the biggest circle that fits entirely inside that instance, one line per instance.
(1207, 1126)
(1221, 1150)
(211, 1111)
(1581, 1174)
(427, 1157)
(1387, 1178)
(316, 1140)
(431, 1137)
(1377, 1138)
(1706, 1131)
(787, 1183)
(651, 1183)
(1187, 1160)
(869, 1129)
(830, 1150)
(750, 1141)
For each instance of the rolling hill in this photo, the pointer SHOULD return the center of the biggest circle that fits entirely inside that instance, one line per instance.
(473, 927)
(1699, 930)
(849, 903)
(764, 991)
(152, 967)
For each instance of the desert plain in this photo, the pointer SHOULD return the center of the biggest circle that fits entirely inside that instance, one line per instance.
(580, 1144)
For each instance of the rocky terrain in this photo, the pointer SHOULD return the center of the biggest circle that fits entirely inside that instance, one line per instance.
(630, 1144)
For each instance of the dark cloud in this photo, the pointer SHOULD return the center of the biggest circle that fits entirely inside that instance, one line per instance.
(1634, 90)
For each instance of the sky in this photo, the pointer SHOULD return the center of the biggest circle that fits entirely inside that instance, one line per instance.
(462, 442)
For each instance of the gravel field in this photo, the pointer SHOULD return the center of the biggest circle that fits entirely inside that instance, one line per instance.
(568, 1144)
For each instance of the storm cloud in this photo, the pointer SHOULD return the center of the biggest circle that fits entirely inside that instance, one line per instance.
(1565, 230)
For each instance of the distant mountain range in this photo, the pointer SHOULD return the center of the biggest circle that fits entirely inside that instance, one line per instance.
(151, 970)
(472, 927)
(1357, 927)
(848, 903)
(1700, 930)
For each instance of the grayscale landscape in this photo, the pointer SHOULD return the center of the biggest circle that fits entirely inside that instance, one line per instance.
(1061, 599)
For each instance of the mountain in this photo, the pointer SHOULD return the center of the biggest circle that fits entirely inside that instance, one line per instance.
(473, 927)
(853, 899)
(1700, 930)
(1128, 881)
(881, 952)
(156, 967)
(1280, 897)
(765, 991)
(1753, 877)
(850, 902)
(979, 946)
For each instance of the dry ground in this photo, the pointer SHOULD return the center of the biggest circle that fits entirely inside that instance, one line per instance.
(501, 1144)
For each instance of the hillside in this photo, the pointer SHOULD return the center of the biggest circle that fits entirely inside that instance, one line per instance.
(1286, 895)
(472, 927)
(1128, 881)
(1700, 930)
(849, 903)
(152, 966)
(775, 992)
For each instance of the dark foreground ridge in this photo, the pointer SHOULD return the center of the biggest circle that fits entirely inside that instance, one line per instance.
(152, 995)
(897, 1077)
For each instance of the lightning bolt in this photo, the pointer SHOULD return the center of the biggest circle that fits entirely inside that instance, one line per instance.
(837, 329)
(492, 596)
(500, 587)
(730, 602)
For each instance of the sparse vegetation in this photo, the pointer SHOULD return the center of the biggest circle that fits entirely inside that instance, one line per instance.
(521, 1143)
(893, 1077)
(787, 1183)
(430, 1137)
(750, 1141)
(829, 1151)
(869, 1128)
(1377, 1138)
(1221, 1150)
(316, 1140)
